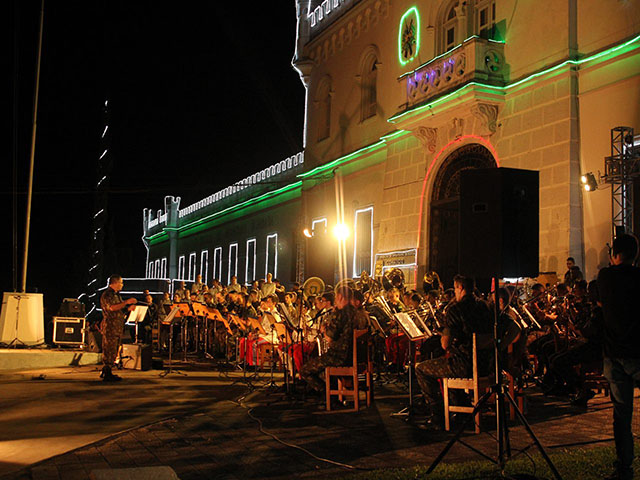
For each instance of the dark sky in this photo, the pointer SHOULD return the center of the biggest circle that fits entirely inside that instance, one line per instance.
(201, 95)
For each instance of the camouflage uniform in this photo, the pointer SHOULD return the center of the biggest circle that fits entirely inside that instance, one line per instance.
(112, 326)
(464, 318)
(339, 329)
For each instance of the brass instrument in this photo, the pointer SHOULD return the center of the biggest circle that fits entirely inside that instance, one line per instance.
(393, 278)
(431, 281)
(345, 282)
(313, 286)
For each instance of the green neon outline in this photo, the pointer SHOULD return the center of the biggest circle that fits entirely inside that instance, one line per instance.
(458, 92)
(407, 13)
(346, 158)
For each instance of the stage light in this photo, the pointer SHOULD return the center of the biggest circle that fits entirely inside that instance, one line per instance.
(307, 233)
(341, 231)
(589, 182)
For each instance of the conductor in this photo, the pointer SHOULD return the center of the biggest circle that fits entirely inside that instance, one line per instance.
(113, 318)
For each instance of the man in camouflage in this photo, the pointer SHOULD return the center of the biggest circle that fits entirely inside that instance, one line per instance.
(339, 334)
(466, 316)
(113, 318)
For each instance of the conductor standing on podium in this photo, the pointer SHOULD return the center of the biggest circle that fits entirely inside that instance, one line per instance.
(113, 318)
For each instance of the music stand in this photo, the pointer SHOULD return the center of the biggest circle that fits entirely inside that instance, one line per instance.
(170, 319)
(413, 331)
(136, 315)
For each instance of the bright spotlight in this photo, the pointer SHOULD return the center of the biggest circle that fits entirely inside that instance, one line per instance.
(589, 182)
(307, 233)
(341, 231)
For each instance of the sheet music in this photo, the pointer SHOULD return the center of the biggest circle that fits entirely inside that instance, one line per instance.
(406, 322)
(137, 314)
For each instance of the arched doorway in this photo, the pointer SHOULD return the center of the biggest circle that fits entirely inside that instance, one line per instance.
(444, 214)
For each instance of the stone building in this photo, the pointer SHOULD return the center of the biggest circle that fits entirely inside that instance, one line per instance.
(401, 97)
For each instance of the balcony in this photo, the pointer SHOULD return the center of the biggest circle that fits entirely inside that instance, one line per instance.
(474, 60)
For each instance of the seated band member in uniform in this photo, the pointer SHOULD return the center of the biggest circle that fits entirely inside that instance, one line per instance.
(466, 316)
(338, 333)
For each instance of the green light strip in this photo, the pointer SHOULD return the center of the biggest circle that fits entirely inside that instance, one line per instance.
(231, 208)
(533, 76)
(346, 158)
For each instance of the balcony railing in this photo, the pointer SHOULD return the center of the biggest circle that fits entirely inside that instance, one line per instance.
(476, 59)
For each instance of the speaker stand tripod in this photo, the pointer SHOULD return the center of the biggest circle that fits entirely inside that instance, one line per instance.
(502, 429)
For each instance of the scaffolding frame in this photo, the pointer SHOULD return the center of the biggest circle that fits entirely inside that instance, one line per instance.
(620, 168)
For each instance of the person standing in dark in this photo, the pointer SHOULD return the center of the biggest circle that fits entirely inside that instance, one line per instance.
(113, 318)
(573, 274)
(619, 289)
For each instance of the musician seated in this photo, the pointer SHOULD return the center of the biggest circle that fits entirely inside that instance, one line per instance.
(338, 333)
(468, 315)
(587, 351)
(396, 343)
(361, 320)
(510, 334)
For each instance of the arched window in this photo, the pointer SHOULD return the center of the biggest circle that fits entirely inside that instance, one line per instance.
(369, 89)
(450, 28)
(323, 104)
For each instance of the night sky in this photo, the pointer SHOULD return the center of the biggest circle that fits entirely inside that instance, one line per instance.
(201, 94)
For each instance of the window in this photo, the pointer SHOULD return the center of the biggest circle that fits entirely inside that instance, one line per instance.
(250, 264)
(156, 269)
(363, 242)
(163, 271)
(450, 29)
(323, 102)
(217, 263)
(192, 266)
(485, 18)
(233, 262)
(369, 94)
(271, 264)
(150, 272)
(319, 226)
(204, 266)
(181, 267)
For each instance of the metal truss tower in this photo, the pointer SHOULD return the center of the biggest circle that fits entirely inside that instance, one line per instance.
(619, 170)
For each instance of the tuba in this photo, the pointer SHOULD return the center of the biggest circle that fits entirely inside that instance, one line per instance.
(393, 278)
(313, 286)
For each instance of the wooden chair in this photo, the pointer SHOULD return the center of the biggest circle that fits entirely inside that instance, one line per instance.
(362, 365)
(476, 384)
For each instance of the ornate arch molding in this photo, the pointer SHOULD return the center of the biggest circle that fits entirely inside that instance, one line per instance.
(446, 184)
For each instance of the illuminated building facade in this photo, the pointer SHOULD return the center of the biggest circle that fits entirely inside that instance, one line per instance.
(401, 97)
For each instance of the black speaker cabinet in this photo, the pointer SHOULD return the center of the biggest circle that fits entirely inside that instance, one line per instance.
(68, 331)
(136, 356)
(499, 223)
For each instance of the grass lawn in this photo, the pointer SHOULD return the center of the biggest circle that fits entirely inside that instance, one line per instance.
(582, 464)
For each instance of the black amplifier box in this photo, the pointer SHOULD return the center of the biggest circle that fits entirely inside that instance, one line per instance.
(68, 331)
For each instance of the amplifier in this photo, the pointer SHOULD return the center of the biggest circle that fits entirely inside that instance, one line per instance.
(68, 331)
(136, 356)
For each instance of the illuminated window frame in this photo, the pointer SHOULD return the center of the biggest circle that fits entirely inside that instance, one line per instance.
(150, 270)
(204, 266)
(355, 240)
(156, 268)
(248, 280)
(275, 263)
(217, 263)
(192, 266)
(181, 263)
(163, 268)
(232, 247)
(316, 221)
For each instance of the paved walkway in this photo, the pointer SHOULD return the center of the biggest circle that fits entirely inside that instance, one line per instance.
(209, 435)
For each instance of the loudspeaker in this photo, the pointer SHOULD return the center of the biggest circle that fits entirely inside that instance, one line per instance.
(136, 356)
(499, 223)
(68, 331)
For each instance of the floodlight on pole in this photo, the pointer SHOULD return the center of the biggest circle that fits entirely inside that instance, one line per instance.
(341, 231)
